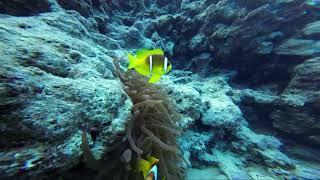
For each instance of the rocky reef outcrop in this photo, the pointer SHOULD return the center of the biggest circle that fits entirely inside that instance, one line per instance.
(55, 82)
(248, 80)
(297, 111)
(222, 137)
(264, 42)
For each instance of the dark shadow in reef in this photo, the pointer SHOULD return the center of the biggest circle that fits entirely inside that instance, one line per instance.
(24, 8)
(262, 70)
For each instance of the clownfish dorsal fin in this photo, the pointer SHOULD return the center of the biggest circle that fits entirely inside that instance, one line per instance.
(157, 52)
(145, 53)
(142, 53)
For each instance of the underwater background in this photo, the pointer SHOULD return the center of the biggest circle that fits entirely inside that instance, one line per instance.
(242, 101)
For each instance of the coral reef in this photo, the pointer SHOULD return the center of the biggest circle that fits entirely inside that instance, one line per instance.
(229, 139)
(244, 84)
(54, 82)
(297, 109)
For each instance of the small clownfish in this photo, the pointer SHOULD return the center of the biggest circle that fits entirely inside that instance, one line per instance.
(150, 63)
(148, 168)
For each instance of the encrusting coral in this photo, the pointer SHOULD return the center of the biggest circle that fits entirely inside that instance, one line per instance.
(151, 131)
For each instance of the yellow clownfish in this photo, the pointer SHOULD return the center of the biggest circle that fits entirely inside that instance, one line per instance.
(150, 63)
(148, 168)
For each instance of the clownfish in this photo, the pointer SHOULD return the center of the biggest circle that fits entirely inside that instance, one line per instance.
(150, 63)
(148, 168)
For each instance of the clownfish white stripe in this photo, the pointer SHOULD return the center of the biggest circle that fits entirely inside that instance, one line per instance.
(154, 170)
(165, 65)
(150, 63)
